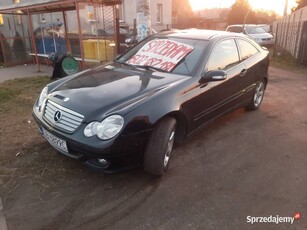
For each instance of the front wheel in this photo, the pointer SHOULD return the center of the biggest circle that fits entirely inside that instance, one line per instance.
(258, 96)
(159, 147)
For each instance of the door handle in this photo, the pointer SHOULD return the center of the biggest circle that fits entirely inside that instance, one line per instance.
(243, 72)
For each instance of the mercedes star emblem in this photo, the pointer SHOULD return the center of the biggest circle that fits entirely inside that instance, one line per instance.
(57, 116)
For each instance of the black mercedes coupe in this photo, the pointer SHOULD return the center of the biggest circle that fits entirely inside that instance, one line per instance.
(161, 91)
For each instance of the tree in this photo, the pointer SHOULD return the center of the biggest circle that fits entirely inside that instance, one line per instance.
(239, 11)
(300, 4)
(265, 17)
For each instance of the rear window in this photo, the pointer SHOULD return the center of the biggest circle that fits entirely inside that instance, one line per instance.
(235, 29)
(247, 50)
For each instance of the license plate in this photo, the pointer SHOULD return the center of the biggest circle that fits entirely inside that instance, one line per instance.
(56, 142)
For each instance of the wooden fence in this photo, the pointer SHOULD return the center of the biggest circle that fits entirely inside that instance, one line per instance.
(291, 34)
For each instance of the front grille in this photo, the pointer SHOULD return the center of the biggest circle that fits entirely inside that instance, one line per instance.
(68, 120)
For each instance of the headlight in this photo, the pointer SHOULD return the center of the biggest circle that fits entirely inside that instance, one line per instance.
(257, 39)
(106, 129)
(42, 96)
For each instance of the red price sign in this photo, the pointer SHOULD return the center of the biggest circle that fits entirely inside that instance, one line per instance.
(161, 53)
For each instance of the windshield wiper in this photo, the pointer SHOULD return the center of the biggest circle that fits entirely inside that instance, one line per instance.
(124, 63)
(148, 67)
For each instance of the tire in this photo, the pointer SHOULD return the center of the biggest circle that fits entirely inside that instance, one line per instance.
(159, 147)
(257, 97)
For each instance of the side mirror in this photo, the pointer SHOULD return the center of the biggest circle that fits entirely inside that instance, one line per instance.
(215, 75)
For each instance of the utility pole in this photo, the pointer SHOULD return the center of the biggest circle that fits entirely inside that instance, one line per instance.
(245, 17)
(117, 30)
(286, 8)
(143, 19)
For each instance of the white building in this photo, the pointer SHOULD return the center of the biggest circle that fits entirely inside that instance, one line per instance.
(160, 10)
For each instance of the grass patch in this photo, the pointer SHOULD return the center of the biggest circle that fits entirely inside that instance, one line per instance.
(20, 94)
(17, 98)
(6, 94)
(26, 158)
(284, 60)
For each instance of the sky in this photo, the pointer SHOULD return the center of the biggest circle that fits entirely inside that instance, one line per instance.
(275, 5)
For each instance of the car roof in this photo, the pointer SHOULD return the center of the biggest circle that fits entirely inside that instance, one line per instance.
(198, 34)
(244, 25)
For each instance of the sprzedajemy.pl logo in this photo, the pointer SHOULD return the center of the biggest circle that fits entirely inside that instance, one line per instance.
(273, 219)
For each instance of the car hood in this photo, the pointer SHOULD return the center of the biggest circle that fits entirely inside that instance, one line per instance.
(261, 36)
(110, 89)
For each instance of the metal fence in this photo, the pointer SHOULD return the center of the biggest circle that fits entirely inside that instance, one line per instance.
(14, 40)
(98, 32)
(88, 33)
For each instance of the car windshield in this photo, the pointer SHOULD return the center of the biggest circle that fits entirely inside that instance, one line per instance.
(166, 54)
(254, 30)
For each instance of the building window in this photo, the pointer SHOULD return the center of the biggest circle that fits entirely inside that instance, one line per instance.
(1, 20)
(159, 13)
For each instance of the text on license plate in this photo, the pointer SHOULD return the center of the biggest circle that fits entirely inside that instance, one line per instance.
(55, 141)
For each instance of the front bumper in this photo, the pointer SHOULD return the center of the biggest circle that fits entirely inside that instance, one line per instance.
(266, 42)
(122, 152)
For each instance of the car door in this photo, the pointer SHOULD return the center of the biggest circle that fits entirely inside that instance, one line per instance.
(251, 57)
(213, 99)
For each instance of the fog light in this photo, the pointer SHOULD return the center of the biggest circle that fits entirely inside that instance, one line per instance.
(102, 161)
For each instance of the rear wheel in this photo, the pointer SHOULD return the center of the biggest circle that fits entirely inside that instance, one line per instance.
(159, 147)
(258, 96)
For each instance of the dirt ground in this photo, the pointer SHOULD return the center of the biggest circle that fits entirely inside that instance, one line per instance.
(245, 164)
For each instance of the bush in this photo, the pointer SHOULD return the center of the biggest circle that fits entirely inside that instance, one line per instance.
(5, 50)
(19, 48)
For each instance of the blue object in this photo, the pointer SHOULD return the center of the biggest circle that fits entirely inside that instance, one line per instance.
(48, 41)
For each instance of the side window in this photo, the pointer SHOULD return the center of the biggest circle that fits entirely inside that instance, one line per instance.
(240, 30)
(247, 50)
(224, 56)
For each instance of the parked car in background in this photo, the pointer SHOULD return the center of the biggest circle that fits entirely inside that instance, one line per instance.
(164, 89)
(256, 32)
(266, 28)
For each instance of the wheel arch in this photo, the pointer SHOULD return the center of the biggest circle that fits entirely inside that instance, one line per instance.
(181, 126)
(266, 79)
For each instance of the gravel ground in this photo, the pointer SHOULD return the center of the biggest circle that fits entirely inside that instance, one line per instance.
(245, 164)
